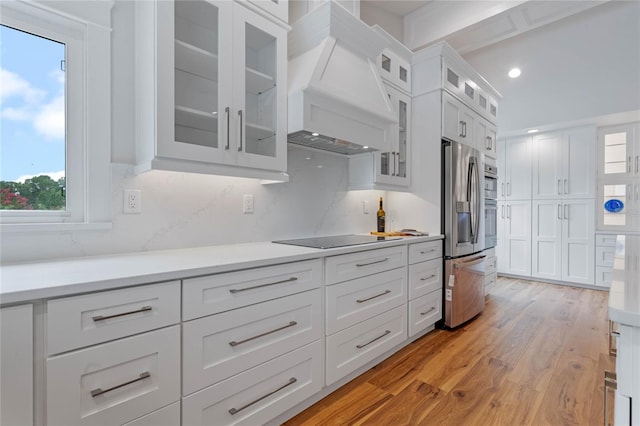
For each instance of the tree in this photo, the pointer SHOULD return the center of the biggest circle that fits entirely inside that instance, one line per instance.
(40, 192)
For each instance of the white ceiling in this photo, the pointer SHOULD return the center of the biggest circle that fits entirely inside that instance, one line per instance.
(468, 25)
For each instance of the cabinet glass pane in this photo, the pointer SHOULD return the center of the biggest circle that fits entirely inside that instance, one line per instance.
(196, 73)
(452, 77)
(402, 139)
(386, 63)
(483, 101)
(615, 153)
(615, 192)
(469, 90)
(261, 96)
(403, 74)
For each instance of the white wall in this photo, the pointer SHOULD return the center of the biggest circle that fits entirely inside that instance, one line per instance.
(585, 66)
(187, 210)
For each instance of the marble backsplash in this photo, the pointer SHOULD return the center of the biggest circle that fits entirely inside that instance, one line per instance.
(189, 210)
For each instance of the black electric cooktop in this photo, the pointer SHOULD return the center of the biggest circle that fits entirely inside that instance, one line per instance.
(336, 241)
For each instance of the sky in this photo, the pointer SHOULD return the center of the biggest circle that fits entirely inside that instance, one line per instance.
(32, 127)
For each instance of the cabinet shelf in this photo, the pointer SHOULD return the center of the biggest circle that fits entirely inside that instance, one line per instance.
(258, 132)
(258, 82)
(195, 60)
(197, 119)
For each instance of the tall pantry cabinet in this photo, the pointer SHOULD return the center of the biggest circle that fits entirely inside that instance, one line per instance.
(550, 177)
(210, 88)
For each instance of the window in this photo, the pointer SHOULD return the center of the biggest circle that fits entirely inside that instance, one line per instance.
(55, 115)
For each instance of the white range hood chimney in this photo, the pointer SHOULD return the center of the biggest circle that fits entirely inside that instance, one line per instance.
(337, 101)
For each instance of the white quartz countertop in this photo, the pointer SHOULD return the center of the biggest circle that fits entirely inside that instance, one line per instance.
(42, 280)
(624, 302)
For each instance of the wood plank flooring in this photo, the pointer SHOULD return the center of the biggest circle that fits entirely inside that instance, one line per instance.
(535, 356)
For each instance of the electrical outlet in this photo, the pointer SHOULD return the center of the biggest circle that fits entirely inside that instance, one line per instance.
(247, 203)
(132, 201)
(365, 206)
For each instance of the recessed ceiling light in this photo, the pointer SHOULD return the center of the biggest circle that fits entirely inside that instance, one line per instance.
(533, 131)
(515, 72)
(315, 134)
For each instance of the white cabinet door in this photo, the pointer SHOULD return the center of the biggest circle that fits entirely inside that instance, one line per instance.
(547, 219)
(579, 163)
(548, 176)
(16, 365)
(392, 167)
(517, 237)
(451, 117)
(578, 241)
(501, 252)
(619, 151)
(517, 169)
(502, 168)
(485, 135)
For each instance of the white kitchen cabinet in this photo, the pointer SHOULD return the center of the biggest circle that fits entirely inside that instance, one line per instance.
(458, 120)
(514, 245)
(424, 311)
(259, 394)
(211, 89)
(563, 240)
(485, 135)
(16, 365)
(167, 416)
(278, 8)
(514, 168)
(390, 169)
(627, 404)
(490, 269)
(114, 382)
(355, 265)
(218, 346)
(564, 164)
(460, 84)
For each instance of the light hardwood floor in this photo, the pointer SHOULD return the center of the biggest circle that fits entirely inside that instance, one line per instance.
(535, 356)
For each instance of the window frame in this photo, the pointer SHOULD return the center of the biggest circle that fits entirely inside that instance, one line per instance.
(86, 33)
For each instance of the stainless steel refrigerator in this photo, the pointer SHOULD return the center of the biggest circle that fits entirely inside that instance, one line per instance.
(463, 225)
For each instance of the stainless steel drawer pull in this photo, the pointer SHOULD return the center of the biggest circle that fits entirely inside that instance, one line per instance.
(360, 265)
(433, 308)
(610, 383)
(238, 290)
(291, 381)
(106, 317)
(373, 340)
(612, 335)
(427, 251)
(99, 391)
(234, 343)
(428, 278)
(373, 297)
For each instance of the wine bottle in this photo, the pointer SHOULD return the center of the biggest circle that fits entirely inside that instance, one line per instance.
(381, 217)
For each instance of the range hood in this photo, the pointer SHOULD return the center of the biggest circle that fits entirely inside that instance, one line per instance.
(337, 101)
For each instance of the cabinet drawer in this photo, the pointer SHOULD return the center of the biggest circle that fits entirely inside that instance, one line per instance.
(219, 346)
(355, 265)
(425, 277)
(424, 312)
(490, 265)
(350, 302)
(489, 280)
(259, 394)
(79, 321)
(425, 251)
(605, 256)
(604, 276)
(114, 382)
(223, 292)
(167, 416)
(606, 240)
(352, 348)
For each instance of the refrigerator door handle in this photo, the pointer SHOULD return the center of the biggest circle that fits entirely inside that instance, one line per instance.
(472, 262)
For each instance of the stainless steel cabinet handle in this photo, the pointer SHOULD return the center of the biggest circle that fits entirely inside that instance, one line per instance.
(566, 211)
(509, 211)
(238, 290)
(637, 191)
(559, 186)
(560, 211)
(373, 297)
(106, 317)
(360, 265)
(428, 278)
(235, 343)
(241, 126)
(502, 212)
(502, 188)
(394, 164)
(629, 164)
(373, 340)
(566, 186)
(99, 391)
(465, 129)
(613, 334)
(427, 251)
(291, 381)
(488, 145)
(508, 189)
(462, 129)
(433, 308)
(637, 163)
(227, 111)
(610, 383)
